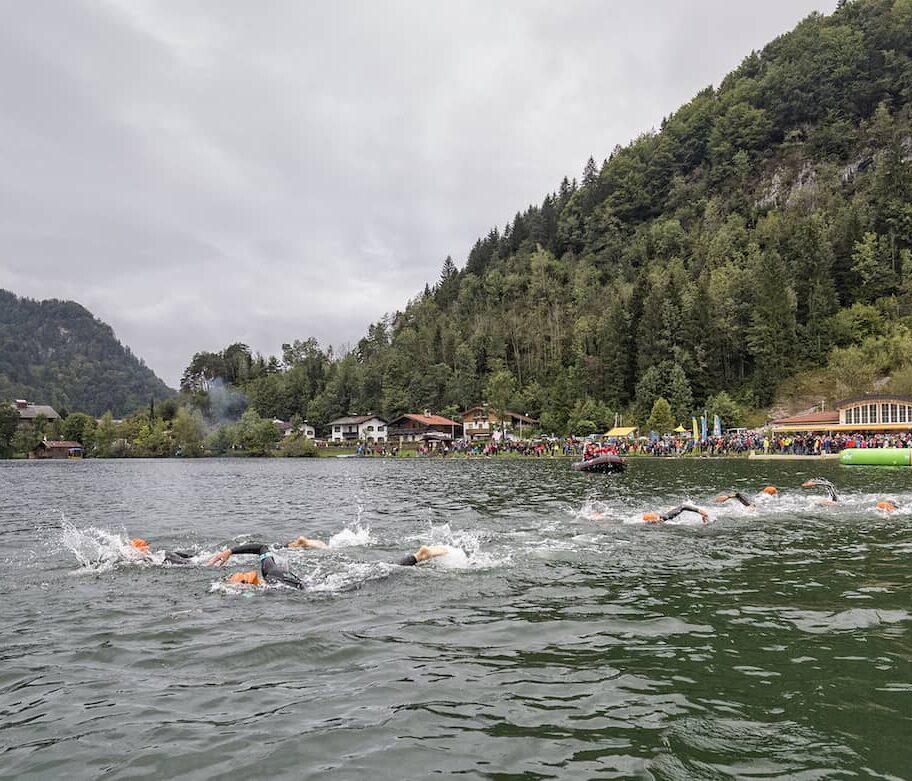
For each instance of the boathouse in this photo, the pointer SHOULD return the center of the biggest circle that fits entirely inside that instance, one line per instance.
(56, 449)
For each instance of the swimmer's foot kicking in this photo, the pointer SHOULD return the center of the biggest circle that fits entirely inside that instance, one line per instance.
(674, 513)
(270, 572)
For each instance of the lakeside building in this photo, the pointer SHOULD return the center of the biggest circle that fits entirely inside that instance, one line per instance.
(413, 427)
(870, 413)
(358, 428)
(28, 412)
(56, 449)
(480, 422)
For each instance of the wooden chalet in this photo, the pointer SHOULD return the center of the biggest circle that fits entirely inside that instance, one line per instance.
(414, 427)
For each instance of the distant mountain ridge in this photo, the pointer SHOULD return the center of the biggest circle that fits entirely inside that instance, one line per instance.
(58, 353)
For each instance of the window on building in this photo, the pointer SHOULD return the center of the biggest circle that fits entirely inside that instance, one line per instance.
(864, 414)
(872, 412)
(902, 413)
(380, 428)
(370, 428)
(893, 414)
(884, 413)
(337, 428)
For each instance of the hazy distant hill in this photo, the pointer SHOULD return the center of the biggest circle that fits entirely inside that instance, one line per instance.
(58, 353)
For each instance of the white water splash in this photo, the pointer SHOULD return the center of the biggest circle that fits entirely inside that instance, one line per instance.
(351, 538)
(97, 550)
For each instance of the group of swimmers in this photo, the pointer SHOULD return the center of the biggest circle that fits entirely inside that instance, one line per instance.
(270, 572)
(832, 497)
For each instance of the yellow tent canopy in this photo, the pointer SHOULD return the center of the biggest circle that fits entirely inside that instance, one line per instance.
(680, 430)
(621, 431)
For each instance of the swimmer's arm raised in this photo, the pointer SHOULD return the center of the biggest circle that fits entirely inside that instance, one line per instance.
(255, 548)
(423, 553)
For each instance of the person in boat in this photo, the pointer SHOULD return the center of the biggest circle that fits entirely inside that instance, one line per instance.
(769, 490)
(675, 512)
(171, 557)
(271, 573)
(818, 482)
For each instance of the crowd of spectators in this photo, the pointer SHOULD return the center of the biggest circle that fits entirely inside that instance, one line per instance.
(730, 444)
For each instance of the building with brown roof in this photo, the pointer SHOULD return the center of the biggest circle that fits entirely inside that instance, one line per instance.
(413, 427)
(481, 422)
(869, 413)
(57, 448)
(28, 412)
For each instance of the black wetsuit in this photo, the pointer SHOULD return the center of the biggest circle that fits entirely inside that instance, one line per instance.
(681, 508)
(408, 561)
(177, 557)
(741, 498)
(269, 569)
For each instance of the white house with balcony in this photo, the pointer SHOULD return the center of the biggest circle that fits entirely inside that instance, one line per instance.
(358, 428)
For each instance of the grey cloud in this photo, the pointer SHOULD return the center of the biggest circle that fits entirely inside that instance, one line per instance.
(203, 172)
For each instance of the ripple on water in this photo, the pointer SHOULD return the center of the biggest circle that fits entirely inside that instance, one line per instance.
(561, 637)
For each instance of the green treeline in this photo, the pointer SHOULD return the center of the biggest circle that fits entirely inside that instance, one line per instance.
(56, 353)
(763, 233)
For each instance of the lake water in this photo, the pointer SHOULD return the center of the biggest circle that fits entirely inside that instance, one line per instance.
(562, 638)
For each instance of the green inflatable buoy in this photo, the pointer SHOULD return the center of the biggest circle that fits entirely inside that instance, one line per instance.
(876, 456)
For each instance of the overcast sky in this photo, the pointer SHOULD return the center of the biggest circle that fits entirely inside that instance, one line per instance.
(197, 173)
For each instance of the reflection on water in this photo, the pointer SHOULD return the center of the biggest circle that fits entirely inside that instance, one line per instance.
(560, 637)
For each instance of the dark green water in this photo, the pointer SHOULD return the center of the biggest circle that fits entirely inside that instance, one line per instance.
(767, 644)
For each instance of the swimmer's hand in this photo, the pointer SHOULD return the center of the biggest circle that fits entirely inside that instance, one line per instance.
(705, 516)
(426, 552)
(219, 559)
(304, 542)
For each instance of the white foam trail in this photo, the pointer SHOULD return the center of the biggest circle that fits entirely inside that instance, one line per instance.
(593, 510)
(97, 550)
(351, 538)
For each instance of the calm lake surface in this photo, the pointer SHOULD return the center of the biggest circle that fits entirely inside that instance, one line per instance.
(560, 639)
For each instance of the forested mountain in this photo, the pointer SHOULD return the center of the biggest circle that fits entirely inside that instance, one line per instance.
(57, 353)
(763, 231)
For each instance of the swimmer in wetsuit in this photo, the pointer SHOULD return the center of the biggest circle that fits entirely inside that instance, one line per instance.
(270, 572)
(424, 553)
(171, 557)
(819, 482)
(769, 490)
(674, 513)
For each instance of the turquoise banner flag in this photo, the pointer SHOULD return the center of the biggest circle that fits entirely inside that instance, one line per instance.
(703, 426)
(717, 426)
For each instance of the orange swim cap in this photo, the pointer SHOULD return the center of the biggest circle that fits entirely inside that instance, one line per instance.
(886, 506)
(651, 517)
(250, 578)
(140, 544)
(771, 490)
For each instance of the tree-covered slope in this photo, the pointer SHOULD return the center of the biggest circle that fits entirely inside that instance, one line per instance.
(57, 353)
(763, 230)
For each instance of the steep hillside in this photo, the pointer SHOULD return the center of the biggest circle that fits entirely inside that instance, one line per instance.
(764, 230)
(56, 352)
